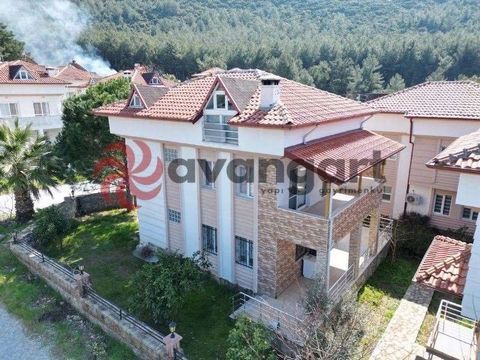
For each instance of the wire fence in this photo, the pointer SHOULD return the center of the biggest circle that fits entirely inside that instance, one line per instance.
(94, 296)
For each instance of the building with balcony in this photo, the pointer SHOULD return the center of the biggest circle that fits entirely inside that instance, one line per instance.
(276, 181)
(453, 267)
(426, 118)
(30, 94)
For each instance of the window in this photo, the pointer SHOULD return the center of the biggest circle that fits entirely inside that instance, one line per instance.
(387, 193)
(8, 110)
(245, 188)
(41, 108)
(469, 214)
(135, 102)
(154, 81)
(220, 101)
(23, 74)
(216, 129)
(209, 239)
(442, 204)
(174, 216)
(170, 154)
(207, 174)
(297, 192)
(243, 251)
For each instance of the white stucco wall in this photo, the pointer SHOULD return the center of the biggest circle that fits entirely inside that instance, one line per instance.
(468, 193)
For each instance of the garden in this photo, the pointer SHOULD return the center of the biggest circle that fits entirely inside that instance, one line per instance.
(157, 294)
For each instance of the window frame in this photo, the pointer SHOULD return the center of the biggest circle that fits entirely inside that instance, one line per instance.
(248, 193)
(170, 154)
(23, 74)
(471, 216)
(44, 107)
(133, 101)
(204, 182)
(298, 198)
(442, 211)
(389, 194)
(249, 249)
(174, 216)
(208, 230)
(9, 106)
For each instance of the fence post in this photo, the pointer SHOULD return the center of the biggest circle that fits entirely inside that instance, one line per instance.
(120, 314)
(43, 258)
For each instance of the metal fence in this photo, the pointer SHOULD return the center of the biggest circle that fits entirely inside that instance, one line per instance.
(93, 295)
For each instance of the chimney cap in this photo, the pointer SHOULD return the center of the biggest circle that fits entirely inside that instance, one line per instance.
(270, 79)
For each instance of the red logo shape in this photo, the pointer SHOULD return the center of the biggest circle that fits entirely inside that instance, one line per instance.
(117, 169)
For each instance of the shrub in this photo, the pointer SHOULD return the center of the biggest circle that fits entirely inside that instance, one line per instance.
(250, 341)
(50, 226)
(159, 290)
(413, 234)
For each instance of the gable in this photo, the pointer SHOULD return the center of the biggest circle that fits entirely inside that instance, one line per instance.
(19, 72)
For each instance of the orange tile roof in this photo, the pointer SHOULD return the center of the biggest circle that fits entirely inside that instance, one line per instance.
(462, 155)
(39, 73)
(76, 75)
(445, 265)
(434, 99)
(299, 105)
(345, 150)
(141, 75)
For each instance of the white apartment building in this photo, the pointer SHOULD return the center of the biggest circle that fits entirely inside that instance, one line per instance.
(28, 93)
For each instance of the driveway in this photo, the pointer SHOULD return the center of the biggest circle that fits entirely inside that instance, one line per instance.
(7, 204)
(16, 344)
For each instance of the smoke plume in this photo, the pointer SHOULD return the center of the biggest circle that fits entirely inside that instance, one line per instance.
(50, 29)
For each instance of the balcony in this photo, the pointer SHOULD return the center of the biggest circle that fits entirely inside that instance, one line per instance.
(220, 133)
(343, 197)
(44, 122)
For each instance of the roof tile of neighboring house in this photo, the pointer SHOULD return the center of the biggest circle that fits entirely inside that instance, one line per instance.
(445, 265)
(335, 157)
(9, 69)
(434, 99)
(462, 155)
(141, 75)
(150, 94)
(299, 105)
(76, 75)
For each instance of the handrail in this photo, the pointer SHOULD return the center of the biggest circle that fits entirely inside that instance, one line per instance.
(343, 281)
(90, 292)
(256, 300)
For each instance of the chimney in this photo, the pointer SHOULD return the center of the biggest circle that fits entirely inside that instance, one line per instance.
(51, 71)
(269, 91)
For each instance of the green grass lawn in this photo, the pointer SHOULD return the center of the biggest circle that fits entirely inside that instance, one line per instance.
(104, 242)
(382, 293)
(44, 313)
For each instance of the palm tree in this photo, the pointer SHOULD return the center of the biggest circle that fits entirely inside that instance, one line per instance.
(27, 166)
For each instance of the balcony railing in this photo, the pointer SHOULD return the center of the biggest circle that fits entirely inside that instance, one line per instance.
(38, 122)
(220, 133)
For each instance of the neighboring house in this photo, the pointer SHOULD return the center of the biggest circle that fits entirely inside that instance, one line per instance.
(426, 118)
(77, 76)
(452, 266)
(143, 75)
(28, 92)
(263, 231)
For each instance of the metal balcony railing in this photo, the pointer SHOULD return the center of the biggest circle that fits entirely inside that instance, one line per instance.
(38, 122)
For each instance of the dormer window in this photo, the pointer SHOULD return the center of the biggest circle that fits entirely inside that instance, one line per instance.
(217, 113)
(23, 74)
(154, 81)
(135, 101)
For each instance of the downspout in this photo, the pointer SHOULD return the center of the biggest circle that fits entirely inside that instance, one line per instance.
(409, 165)
(304, 138)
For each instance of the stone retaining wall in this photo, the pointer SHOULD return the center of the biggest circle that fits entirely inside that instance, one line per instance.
(89, 203)
(146, 347)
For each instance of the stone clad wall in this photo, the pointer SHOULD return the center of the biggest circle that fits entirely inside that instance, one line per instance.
(278, 232)
(144, 346)
(348, 219)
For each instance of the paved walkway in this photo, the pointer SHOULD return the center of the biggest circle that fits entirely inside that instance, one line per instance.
(15, 344)
(398, 341)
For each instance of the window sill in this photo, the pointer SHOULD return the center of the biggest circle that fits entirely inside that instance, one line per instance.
(442, 215)
(208, 188)
(209, 252)
(244, 265)
(246, 197)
